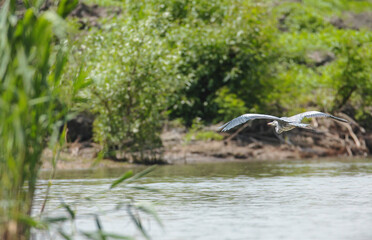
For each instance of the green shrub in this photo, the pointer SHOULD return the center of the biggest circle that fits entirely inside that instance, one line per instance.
(345, 79)
(353, 80)
(297, 17)
(177, 10)
(355, 76)
(203, 136)
(338, 7)
(236, 52)
(229, 105)
(198, 133)
(130, 72)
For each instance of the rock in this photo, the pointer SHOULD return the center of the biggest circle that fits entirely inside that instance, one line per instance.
(89, 15)
(353, 21)
(80, 128)
(320, 58)
(368, 140)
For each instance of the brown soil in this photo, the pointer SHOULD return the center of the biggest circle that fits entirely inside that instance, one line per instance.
(353, 20)
(89, 15)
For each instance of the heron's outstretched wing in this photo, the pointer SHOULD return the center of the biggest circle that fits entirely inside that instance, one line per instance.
(311, 114)
(245, 118)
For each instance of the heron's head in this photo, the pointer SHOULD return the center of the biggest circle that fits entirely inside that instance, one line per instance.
(273, 123)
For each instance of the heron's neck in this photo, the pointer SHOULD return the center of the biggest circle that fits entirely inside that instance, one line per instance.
(277, 129)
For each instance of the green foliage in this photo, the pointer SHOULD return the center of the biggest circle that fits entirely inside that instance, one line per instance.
(196, 132)
(343, 79)
(235, 52)
(178, 11)
(130, 71)
(206, 136)
(229, 105)
(297, 17)
(355, 77)
(337, 7)
(66, 6)
(217, 59)
(30, 110)
(353, 81)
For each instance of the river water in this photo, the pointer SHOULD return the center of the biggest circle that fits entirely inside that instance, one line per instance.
(327, 199)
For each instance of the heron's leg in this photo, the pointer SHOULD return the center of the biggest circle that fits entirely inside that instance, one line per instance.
(287, 141)
(283, 138)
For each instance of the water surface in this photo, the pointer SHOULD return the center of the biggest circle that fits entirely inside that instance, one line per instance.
(253, 200)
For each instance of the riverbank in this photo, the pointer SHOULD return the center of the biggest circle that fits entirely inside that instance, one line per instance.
(256, 141)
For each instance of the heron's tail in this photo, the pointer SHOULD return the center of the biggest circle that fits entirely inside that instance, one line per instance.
(339, 119)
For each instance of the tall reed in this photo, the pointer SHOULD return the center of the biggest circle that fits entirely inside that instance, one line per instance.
(30, 70)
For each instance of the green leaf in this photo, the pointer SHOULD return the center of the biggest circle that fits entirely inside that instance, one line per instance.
(142, 174)
(64, 235)
(39, 100)
(54, 219)
(149, 209)
(137, 222)
(145, 189)
(98, 222)
(101, 234)
(69, 210)
(122, 178)
(66, 6)
(32, 222)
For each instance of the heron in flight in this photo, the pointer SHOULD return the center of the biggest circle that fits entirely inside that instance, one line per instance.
(282, 124)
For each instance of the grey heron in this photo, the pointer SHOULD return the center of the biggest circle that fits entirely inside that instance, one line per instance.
(282, 124)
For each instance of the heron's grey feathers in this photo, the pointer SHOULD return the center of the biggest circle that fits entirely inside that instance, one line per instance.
(285, 123)
(301, 125)
(311, 114)
(245, 118)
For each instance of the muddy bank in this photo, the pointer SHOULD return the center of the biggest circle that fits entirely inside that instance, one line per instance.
(255, 141)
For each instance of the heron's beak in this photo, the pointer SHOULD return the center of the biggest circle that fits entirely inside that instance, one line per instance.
(270, 124)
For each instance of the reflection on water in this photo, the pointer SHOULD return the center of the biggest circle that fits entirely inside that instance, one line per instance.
(257, 200)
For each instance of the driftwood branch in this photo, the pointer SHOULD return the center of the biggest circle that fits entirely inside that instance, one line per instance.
(236, 133)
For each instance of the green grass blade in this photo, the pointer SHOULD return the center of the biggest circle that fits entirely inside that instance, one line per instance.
(142, 174)
(125, 176)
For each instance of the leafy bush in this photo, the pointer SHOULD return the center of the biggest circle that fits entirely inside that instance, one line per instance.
(130, 72)
(345, 79)
(230, 106)
(355, 77)
(196, 132)
(297, 17)
(236, 52)
(203, 136)
(178, 11)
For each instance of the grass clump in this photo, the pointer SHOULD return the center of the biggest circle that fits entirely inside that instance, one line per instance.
(197, 132)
